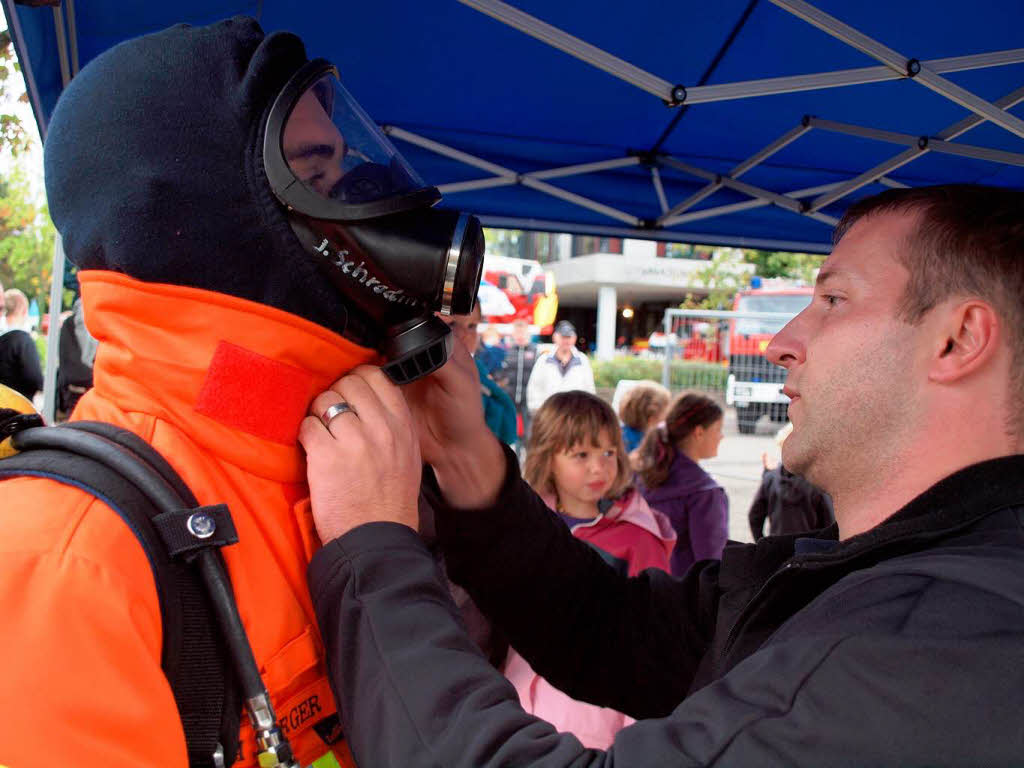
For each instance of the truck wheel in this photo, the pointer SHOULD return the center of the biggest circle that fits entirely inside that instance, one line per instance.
(746, 418)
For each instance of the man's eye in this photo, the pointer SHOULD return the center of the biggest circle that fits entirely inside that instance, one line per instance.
(831, 300)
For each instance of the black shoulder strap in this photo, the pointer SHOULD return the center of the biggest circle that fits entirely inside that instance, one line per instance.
(100, 458)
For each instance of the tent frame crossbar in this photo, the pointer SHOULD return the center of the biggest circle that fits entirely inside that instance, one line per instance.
(918, 72)
(894, 66)
(535, 179)
(922, 142)
(953, 131)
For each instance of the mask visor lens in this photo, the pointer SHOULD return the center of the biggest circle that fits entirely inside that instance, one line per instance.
(338, 152)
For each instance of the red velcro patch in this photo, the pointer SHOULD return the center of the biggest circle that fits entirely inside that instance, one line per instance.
(255, 394)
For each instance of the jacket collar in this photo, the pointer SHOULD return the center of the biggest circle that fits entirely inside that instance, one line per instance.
(236, 376)
(953, 503)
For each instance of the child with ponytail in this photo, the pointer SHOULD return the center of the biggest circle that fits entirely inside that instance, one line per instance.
(673, 482)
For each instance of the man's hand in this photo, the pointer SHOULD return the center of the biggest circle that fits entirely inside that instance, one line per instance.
(448, 414)
(364, 465)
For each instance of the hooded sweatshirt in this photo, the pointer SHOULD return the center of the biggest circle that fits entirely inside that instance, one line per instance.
(698, 509)
(628, 530)
(215, 332)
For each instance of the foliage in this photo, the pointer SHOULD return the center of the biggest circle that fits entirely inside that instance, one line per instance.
(683, 374)
(722, 276)
(26, 239)
(13, 136)
(795, 266)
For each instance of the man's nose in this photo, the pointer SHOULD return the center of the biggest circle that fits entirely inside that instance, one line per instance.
(787, 347)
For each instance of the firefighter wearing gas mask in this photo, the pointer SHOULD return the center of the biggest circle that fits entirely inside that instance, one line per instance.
(245, 234)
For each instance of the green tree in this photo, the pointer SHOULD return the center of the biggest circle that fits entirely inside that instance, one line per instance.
(723, 277)
(26, 239)
(794, 266)
(14, 139)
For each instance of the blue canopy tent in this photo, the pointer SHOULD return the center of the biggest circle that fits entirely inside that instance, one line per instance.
(559, 115)
(741, 122)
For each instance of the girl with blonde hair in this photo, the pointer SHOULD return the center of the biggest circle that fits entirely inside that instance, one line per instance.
(577, 463)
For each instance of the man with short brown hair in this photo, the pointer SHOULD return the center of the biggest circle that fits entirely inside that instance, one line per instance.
(895, 637)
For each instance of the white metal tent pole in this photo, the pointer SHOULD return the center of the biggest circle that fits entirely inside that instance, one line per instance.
(758, 157)
(584, 202)
(469, 186)
(576, 170)
(507, 180)
(659, 189)
(527, 180)
(783, 201)
(572, 45)
(953, 131)
(922, 142)
(447, 151)
(870, 175)
(672, 213)
(62, 45)
(769, 86)
(900, 63)
(53, 332)
(700, 94)
(723, 210)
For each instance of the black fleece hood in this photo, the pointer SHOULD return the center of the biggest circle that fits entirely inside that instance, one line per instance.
(154, 167)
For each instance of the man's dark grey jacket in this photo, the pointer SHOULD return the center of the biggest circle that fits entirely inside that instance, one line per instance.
(902, 646)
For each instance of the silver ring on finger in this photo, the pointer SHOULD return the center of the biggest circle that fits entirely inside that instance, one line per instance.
(333, 411)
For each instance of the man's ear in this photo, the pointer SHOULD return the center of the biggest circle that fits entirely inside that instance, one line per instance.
(970, 336)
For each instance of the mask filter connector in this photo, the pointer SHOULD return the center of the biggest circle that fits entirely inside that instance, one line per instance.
(416, 349)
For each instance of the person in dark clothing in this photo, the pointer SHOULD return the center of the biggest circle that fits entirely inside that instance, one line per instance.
(895, 637)
(19, 359)
(77, 351)
(786, 501)
(789, 504)
(515, 370)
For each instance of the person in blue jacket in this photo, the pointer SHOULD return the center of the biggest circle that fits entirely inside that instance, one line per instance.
(499, 409)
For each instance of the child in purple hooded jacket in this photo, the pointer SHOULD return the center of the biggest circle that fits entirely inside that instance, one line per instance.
(673, 482)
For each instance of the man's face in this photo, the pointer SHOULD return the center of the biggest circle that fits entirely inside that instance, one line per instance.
(521, 333)
(313, 146)
(464, 327)
(564, 343)
(854, 367)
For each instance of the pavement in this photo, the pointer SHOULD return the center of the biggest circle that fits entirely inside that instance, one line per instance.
(737, 468)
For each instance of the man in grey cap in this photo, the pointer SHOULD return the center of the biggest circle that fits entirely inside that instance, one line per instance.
(562, 370)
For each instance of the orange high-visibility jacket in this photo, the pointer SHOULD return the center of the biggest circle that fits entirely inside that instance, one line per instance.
(218, 385)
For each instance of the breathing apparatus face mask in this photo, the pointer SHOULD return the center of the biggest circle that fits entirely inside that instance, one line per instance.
(366, 218)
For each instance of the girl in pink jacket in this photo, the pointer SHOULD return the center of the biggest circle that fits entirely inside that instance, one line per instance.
(577, 462)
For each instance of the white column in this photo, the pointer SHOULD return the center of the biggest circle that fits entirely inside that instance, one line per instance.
(639, 249)
(606, 312)
(563, 244)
